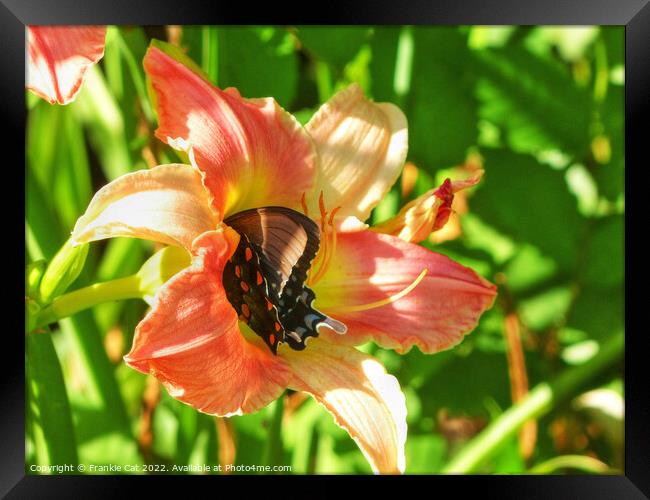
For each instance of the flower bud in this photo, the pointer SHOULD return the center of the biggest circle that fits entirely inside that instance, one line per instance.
(159, 268)
(64, 268)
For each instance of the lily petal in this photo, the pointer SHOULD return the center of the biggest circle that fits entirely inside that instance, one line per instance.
(364, 400)
(369, 268)
(427, 213)
(192, 343)
(59, 57)
(167, 203)
(251, 152)
(362, 147)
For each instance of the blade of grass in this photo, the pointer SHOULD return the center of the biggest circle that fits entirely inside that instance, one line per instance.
(98, 111)
(274, 453)
(72, 185)
(210, 52)
(582, 463)
(136, 72)
(43, 125)
(113, 64)
(48, 407)
(323, 81)
(43, 231)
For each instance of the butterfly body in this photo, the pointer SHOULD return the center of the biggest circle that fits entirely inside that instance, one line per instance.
(265, 278)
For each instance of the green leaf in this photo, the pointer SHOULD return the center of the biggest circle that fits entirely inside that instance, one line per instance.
(335, 45)
(271, 72)
(609, 172)
(615, 42)
(599, 312)
(527, 268)
(383, 45)
(425, 454)
(48, 407)
(603, 263)
(546, 309)
(530, 202)
(440, 107)
(534, 100)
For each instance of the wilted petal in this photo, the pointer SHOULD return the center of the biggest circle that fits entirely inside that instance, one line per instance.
(362, 147)
(364, 400)
(59, 57)
(368, 268)
(427, 213)
(167, 203)
(252, 153)
(192, 343)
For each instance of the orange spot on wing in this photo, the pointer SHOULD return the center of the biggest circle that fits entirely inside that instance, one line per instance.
(244, 286)
(260, 280)
(269, 304)
(246, 310)
(248, 254)
(238, 271)
(272, 339)
(277, 326)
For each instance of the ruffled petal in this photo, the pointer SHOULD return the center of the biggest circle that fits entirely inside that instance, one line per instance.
(361, 147)
(167, 203)
(427, 213)
(59, 57)
(251, 152)
(364, 400)
(192, 343)
(369, 268)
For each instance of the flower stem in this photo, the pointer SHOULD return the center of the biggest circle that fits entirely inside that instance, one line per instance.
(84, 298)
(539, 401)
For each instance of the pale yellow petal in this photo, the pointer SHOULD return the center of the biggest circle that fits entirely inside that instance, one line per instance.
(364, 400)
(167, 203)
(362, 146)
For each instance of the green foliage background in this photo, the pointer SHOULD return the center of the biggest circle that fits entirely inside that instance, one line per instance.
(543, 106)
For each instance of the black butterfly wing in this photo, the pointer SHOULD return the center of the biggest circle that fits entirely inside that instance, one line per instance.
(287, 242)
(265, 277)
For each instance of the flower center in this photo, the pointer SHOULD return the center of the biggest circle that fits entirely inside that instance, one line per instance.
(265, 278)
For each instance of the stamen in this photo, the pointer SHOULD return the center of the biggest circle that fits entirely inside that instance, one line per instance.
(328, 242)
(321, 205)
(303, 202)
(383, 302)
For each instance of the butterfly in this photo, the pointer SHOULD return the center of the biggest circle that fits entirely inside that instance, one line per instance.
(265, 278)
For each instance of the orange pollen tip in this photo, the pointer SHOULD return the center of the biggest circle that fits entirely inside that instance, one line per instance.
(244, 286)
(386, 301)
(331, 221)
(248, 254)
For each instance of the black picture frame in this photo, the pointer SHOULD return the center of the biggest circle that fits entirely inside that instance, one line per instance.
(633, 14)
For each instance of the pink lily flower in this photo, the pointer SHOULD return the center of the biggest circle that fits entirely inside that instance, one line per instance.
(58, 58)
(201, 339)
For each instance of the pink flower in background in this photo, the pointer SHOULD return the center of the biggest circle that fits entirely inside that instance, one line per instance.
(58, 58)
